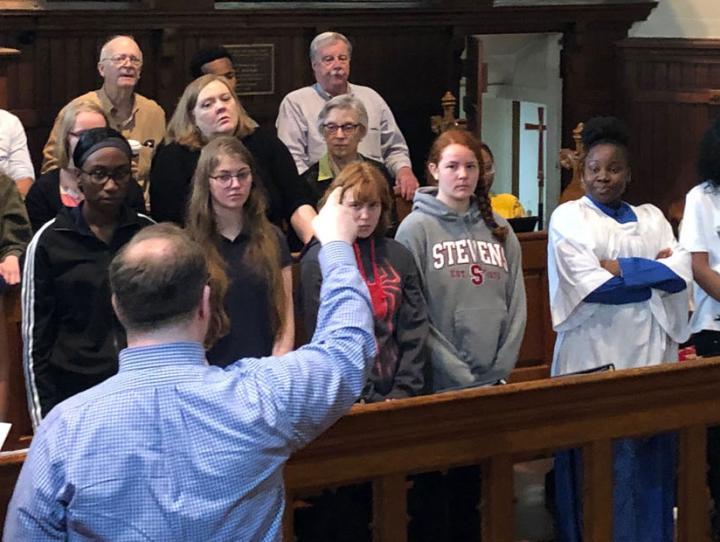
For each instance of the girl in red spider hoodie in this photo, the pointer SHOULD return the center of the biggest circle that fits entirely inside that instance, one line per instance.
(391, 276)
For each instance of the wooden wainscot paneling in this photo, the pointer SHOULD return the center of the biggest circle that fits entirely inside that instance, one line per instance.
(671, 95)
(408, 51)
(537, 346)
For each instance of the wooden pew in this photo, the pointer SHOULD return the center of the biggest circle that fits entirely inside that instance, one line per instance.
(492, 426)
(15, 400)
(10, 464)
(537, 346)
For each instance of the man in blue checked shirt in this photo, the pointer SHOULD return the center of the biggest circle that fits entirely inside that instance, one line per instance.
(171, 448)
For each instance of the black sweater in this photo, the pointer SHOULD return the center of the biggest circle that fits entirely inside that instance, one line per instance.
(174, 165)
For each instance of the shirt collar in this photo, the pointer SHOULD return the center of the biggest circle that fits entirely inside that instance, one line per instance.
(325, 95)
(622, 214)
(107, 105)
(325, 169)
(178, 353)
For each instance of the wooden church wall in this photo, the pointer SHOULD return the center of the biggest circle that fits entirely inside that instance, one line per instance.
(671, 92)
(411, 55)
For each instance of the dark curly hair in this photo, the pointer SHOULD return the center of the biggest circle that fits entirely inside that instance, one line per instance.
(708, 162)
(610, 130)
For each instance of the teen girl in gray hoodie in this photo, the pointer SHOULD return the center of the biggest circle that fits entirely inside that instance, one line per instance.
(471, 270)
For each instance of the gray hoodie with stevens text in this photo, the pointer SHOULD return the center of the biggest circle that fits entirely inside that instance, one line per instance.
(475, 292)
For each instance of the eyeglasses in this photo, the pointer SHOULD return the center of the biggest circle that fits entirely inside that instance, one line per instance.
(119, 60)
(347, 128)
(225, 179)
(100, 176)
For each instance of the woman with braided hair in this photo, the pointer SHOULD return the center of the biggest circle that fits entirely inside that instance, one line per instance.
(618, 294)
(470, 265)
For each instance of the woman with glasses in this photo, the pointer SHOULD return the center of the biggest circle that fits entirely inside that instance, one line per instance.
(70, 335)
(343, 122)
(209, 108)
(58, 187)
(506, 205)
(248, 257)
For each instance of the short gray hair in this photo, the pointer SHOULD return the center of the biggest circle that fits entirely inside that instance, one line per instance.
(344, 101)
(325, 38)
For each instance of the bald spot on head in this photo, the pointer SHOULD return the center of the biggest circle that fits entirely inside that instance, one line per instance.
(152, 251)
(158, 278)
(120, 45)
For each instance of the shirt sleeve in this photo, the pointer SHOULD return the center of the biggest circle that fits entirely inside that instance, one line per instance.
(292, 129)
(39, 208)
(639, 276)
(37, 511)
(50, 160)
(316, 384)
(392, 142)
(698, 222)
(285, 258)
(39, 327)
(412, 330)
(294, 192)
(135, 198)
(19, 164)
(14, 224)
(513, 331)
(310, 283)
(172, 168)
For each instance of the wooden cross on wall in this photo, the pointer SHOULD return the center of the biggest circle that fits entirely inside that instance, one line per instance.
(541, 127)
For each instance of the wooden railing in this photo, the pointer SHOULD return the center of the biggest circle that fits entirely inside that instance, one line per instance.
(497, 426)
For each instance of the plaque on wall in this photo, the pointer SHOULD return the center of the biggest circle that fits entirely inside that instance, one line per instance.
(254, 68)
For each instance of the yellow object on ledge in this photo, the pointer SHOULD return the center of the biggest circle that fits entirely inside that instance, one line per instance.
(506, 205)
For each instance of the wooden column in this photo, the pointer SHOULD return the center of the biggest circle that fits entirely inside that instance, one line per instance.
(692, 524)
(597, 491)
(497, 499)
(390, 509)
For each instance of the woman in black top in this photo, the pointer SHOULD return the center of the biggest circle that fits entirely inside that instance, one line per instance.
(207, 109)
(70, 334)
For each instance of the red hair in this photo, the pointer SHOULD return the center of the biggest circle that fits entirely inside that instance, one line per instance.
(466, 139)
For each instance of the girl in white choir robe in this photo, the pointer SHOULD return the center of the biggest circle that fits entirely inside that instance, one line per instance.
(618, 294)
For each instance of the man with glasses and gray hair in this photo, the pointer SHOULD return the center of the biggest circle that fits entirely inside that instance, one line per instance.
(139, 119)
(330, 54)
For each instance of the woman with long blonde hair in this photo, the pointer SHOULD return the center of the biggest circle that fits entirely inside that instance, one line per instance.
(208, 109)
(227, 215)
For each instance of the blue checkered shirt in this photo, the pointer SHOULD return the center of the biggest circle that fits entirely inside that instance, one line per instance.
(173, 449)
